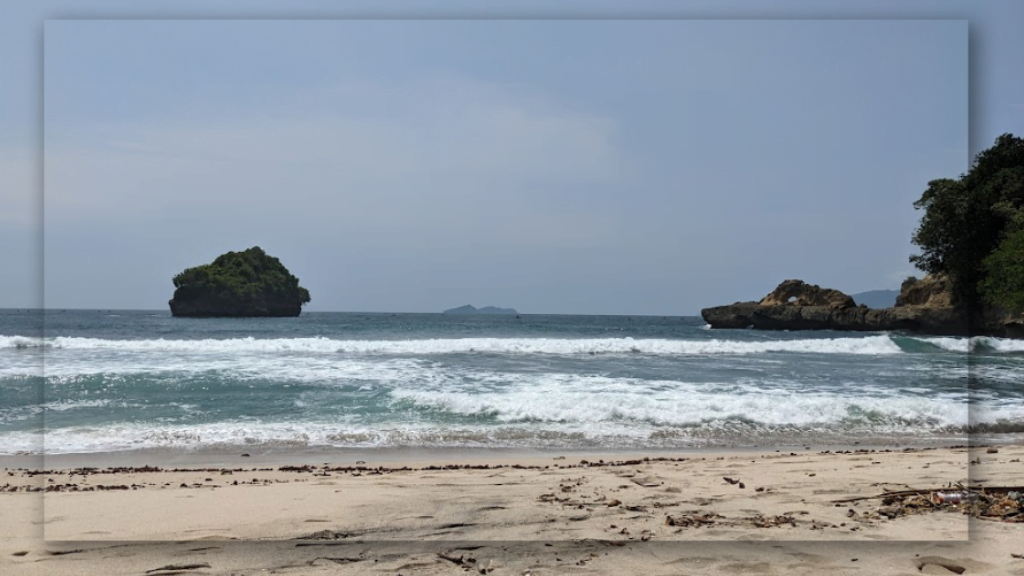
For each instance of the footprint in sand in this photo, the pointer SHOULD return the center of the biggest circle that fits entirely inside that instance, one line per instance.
(747, 568)
(945, 566)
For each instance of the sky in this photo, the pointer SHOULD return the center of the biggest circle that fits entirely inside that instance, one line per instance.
(556, 165)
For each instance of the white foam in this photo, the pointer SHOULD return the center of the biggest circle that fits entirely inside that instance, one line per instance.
(474, 401)
(18, 442)
(324, 359)
(19, 370)
(578, 399)
(608, 433)
(999, 344)
(948, 343)
(976, 344)
(877, 344)
(852, 345)
(20, 342)
(562, 410)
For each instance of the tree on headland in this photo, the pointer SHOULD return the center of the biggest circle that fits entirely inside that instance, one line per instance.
(972, 229)
(1003, 284)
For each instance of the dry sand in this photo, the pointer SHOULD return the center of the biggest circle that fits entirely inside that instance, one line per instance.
(734, 513)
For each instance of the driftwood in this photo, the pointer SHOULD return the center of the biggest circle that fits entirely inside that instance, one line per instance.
(888, 494)
(459, 560)
(926, 491)
(179, 567)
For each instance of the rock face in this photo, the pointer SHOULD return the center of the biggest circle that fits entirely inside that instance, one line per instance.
(932, 291)
(923, 306)
(239, 284)
(799, 293)
(469, 309)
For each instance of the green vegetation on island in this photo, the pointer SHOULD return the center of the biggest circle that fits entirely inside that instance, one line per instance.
(249, 283)
(972, 230)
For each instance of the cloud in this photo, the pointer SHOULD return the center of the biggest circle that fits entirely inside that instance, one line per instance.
(485, 159)
(19, 203)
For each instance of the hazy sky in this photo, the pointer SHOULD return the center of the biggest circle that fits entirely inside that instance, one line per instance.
(557, 166)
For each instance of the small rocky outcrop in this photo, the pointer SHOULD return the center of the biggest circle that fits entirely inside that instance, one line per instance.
(794, 305)
(932, 291)
(799, 293)
(786, 303)
(239, 284)
(737, 315)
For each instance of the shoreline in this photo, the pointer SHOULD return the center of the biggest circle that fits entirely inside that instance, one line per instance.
(235, 455)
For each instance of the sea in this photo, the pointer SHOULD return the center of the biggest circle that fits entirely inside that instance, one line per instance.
(111, 381)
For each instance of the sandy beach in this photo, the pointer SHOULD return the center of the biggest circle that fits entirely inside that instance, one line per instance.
(773, 512)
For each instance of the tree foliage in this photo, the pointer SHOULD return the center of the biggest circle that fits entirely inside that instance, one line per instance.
(250, 281)
(1004, 281)
(968, 221)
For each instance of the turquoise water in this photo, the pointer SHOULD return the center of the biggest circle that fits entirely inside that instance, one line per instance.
(101, 381)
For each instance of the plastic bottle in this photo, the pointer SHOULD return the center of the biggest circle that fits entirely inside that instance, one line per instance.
(957, 497)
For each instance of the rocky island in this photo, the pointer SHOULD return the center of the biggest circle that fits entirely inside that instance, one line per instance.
(469, 309)
(922, 306)
(238, 284)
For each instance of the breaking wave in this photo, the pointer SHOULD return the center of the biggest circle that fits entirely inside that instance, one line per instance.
(246, 436)
(875, 344)
(563, 346)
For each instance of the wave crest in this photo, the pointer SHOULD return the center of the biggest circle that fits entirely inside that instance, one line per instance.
(563, 346)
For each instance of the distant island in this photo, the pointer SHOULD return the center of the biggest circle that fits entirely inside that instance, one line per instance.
(468, 309)
(876, 298)
(238, 284)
